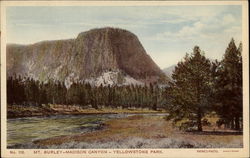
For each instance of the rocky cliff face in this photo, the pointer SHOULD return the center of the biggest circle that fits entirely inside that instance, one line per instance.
(89, 56)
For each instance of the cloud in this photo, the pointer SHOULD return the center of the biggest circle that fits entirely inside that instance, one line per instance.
(204, 29)
(228, 19)
(166, 32)
(185, 33)
(212, 34)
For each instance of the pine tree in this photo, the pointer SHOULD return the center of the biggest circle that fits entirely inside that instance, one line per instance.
(43, 99)
(190, 90)
(228, 85)
(32, 91)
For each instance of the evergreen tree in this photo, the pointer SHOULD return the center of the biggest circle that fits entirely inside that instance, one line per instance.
(10, 90)
(228, 86)
(43, 95)
(190, 90)
(33, 92)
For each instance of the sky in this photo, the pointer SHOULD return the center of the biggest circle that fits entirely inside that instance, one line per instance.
(166, 32)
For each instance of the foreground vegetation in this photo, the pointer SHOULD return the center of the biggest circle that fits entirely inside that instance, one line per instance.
(146, 132)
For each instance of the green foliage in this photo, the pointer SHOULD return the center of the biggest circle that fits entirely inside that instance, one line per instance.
(189, 93)
(17, 96)
(228, 87)
(30, 92)
(200, 87)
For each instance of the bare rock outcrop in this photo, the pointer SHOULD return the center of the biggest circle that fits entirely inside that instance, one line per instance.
(90, 55)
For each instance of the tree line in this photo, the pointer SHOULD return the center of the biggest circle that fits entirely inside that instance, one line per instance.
(27, 91)
(198, 87)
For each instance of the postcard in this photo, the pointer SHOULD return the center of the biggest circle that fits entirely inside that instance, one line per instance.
(124, 79)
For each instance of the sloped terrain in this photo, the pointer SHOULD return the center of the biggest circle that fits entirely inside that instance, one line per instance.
(88, 56)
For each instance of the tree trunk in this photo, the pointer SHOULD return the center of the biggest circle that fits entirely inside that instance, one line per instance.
(232, 123)
(241, 123)
(199, 126)
(237, 123)
(154, 107)
(199, 121)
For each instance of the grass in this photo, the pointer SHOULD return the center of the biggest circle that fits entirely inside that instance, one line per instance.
(14, 111)
(143, 132)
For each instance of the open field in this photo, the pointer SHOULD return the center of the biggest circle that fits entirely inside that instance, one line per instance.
(145, 132)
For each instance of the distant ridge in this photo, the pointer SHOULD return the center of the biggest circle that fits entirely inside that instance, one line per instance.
(169, 71)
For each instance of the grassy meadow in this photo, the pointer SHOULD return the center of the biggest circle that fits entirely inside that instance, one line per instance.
(146, 132)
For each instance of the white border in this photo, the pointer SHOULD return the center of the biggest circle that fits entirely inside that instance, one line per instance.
(243, 152)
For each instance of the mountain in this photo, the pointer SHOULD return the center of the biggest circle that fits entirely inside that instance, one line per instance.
(169, 71)
(99, 56)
